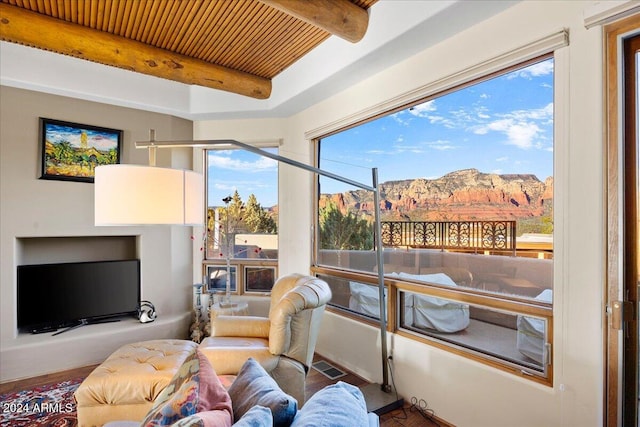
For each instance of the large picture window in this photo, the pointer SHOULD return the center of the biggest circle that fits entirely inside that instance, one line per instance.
(466, 190)
(242, 219)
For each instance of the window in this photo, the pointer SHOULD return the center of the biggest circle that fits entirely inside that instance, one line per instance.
(466, 193)
(242, 220)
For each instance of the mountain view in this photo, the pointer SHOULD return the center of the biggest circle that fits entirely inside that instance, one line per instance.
(461, 195)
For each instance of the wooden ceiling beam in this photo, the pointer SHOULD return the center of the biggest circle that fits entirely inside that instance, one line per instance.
(339, 17)
(18, 25)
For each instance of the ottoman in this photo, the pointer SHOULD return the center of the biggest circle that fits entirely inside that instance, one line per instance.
(125, 385)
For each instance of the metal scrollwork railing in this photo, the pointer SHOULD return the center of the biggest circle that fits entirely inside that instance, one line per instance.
(457, 235)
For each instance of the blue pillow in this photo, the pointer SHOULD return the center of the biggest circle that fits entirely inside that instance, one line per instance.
(258, 416)
(337, 405)
(254, 386)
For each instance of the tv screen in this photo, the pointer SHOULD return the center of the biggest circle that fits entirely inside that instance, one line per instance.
(52, 296)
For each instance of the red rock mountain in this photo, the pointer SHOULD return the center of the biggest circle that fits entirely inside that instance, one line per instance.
(461, 195)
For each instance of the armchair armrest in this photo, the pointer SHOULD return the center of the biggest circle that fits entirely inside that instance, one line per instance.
(240, 326)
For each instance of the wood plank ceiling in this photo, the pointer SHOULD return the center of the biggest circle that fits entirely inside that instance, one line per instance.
(232, 45)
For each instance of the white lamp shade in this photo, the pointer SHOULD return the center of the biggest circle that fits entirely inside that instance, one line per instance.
(145, 195)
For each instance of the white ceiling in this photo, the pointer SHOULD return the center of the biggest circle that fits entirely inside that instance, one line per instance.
(397, 30)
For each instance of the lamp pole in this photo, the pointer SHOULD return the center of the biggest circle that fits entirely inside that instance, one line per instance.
(380, 398)
(227, 238)
(385, 386)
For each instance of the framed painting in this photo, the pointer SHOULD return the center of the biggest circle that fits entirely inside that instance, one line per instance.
(259, 278)
(71, 151)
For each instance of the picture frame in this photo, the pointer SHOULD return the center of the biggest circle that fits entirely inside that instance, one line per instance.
(216, 278)
(259, 278)
(71, 151)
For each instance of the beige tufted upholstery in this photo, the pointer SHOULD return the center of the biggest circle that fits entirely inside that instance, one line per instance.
(125, 385)
(283, 343)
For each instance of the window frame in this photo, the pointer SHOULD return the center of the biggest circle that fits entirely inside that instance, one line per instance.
(240, 264)
(486, 300)
(549, 47)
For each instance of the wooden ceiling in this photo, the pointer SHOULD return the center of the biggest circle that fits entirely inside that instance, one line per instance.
(232, 45)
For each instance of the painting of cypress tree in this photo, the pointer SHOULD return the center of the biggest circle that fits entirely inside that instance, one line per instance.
(71, 151)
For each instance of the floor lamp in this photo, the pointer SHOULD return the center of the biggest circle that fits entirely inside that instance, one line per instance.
(380, 398)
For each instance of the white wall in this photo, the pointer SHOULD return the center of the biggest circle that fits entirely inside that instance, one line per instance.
(30, 207)
(294, 229)
(462, 391)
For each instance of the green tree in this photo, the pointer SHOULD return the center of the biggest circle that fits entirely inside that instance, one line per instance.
(235, 210)
(243, 218)
(64, 151)
(113, 155)
(256, 219)
(344, 231)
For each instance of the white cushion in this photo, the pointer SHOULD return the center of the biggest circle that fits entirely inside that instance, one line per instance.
(437, 278)
(365, 299)
(436, 313)
(530, 338)
(420, 311)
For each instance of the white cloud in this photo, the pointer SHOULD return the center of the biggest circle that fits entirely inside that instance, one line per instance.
(544, 113)
(261, 164)
(240, 185)
(421, 110)
(521, 127)
(520, 134)
(502, 159)
(224, 186)
(408, 149)
(419, 148)
(399, 118)
(443, 121)
(440, 145)
(535, 70)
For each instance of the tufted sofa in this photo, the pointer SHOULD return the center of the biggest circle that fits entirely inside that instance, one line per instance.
(126, 384)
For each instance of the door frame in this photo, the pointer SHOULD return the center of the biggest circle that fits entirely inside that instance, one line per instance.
(621, 354)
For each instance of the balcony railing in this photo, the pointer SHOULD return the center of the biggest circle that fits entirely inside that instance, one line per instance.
(468, 236)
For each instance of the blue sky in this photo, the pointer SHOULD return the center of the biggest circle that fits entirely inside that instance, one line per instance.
(100, 140)
(503, 125)
(231, 170)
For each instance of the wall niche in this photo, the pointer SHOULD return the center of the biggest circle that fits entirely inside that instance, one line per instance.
(46, 250)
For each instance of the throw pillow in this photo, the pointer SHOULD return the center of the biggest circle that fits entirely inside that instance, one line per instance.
(195, 388)
(258, 416)
(337, 405)
(254, 386)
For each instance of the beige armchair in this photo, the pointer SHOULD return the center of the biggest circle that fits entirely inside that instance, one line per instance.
(283, 343)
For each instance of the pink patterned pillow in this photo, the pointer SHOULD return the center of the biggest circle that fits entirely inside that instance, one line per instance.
(195, 388)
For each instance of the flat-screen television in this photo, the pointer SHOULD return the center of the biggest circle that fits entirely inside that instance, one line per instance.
(52, 296)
